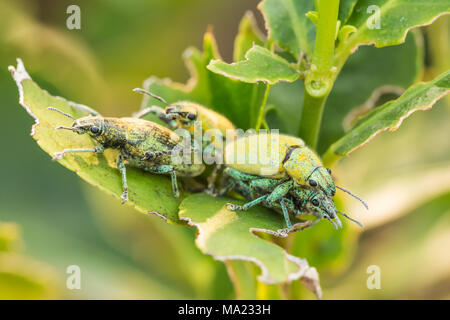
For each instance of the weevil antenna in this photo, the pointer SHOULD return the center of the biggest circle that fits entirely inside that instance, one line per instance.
(57, 110)
(65, 128)
(354, 196)
(338, 221)
(351, 219)
(332, 222)
(154, 96)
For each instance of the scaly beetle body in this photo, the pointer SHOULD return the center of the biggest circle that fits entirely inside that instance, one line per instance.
(279, 167)
(299, 201)
(279, 156)
(142, 144)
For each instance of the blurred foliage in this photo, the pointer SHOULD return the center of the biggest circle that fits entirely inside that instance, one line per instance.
(123, 254)
(20, 276)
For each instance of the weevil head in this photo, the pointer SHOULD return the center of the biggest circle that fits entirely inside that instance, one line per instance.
(321, 177)
(184, 113)
(94, 126)
(305, 168)
(317, 204)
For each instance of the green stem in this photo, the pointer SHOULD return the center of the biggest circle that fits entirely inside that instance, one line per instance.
(320, 78)
(311, 118)
(261, 114)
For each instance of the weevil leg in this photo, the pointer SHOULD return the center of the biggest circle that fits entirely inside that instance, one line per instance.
(295, 228)
(84, 108)
(155, 154)
(166, 169)
(158, 111)
(238, 175)
(60, 155)
(304, 225)
(153, 109)
(213, 177)
(279, 192)
(123, 171)
(266, 183)
(285, 214)
(222, 192)
(248, 205)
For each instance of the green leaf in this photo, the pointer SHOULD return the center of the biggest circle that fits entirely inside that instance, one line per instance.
(147, 193)
(236, 100)
(20, 276)
(390, 116)
(395, 19)
(401, 67)
(346, 8)
(248, 35)
(259, 65)
(228, 235)
(288, 25)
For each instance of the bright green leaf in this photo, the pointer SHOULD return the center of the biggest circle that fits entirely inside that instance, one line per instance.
(288, 25)
(147, 193)
(390, 116)
(396, 17)
(259, 65)
(228, 235)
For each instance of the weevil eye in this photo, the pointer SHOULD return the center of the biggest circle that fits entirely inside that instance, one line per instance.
(95, 130)
(315, 202)
(313, 183)
(329, 171)
(191, 116)
(333, 192)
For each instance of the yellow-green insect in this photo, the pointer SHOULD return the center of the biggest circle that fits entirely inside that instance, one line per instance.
(194, 117)
(142, 144)
(185, 114)
(299, 201)
(280, 157)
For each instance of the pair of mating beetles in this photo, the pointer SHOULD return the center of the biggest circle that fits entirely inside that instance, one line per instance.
(291, 180)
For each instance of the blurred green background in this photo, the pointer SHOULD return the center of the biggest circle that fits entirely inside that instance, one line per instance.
(50, 219)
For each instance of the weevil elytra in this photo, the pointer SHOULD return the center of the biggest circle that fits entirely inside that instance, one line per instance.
(299, 201)
(143, 144)
(281, 157)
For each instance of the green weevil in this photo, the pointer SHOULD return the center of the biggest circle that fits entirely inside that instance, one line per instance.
(194, 117)
(185, 115)
(299, 201)
(281, 157)
(142, 144)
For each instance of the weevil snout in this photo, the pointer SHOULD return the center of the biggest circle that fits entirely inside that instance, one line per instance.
(91, 125)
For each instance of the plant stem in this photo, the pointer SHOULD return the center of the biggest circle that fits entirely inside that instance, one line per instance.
(311, 118)
(260, 120)
(319, 79)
